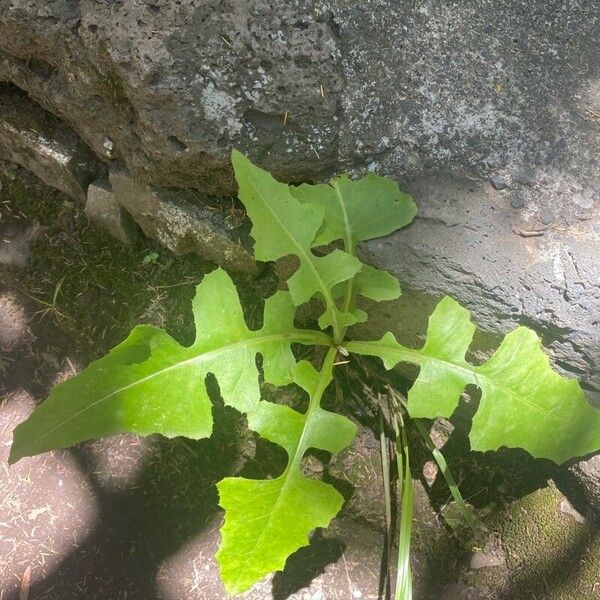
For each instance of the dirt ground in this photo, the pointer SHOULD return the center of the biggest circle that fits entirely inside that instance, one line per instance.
(137, 518)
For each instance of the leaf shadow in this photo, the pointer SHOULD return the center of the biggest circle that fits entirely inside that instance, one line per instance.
(306, 564)
(146, 520)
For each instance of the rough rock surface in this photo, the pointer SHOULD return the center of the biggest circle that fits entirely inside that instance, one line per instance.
(505, 94)
(587, 472)
(42, 144)
(169, 87)
(310, 86)
(180, 221)
(468, 242)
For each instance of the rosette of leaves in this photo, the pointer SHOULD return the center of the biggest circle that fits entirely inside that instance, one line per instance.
(152, 384)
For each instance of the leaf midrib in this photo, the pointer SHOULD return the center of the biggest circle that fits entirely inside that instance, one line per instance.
(348, 239)
(309, 256)
(349, 244)
(472, 373)
(315, 335)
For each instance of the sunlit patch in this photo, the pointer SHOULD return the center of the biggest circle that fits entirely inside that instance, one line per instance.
(14, 324)
(119, 460)
(47, 507)
(14, 244)
(342, 562)
(192, 572)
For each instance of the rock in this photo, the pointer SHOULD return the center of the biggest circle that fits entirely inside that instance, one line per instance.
(430, 472)
(547, 215)
(525, 176)
(181, 222)
(587, 474)
(547, 282)
(568, 509)
(492, 554)
(548, 553)
(305, 88)
(517, 200)
(42, 144)
(171, 88)
(14, 325)
(102, 207)
(499, 182)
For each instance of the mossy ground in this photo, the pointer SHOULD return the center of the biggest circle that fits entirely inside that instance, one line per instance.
(549, 554)
(96, 289)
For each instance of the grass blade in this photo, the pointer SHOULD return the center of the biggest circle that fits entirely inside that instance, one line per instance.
(404, 573)
(464, 510)
(387, 494)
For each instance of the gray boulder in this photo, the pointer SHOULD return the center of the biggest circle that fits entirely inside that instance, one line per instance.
(171, 87)
(184, 223)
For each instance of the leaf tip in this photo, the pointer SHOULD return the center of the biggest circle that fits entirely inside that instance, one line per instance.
(14, 456)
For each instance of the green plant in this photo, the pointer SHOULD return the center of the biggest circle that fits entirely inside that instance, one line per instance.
(151, 384)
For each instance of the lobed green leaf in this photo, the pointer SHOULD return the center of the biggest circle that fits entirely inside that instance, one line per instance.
(267, 520)
(355, 211)
(282, 226)
(524, 403)
(151, 384)
(289, 220)
(359, 210)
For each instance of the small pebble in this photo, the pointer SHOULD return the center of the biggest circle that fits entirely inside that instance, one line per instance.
(567, 508)
(430, 471)
(517, 200)
(499, 182)
(525, 176)
(486, 560)
(547, 216)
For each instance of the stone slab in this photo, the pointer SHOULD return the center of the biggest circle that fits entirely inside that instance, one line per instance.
(102, 207)
(42, 144)
(180, 221)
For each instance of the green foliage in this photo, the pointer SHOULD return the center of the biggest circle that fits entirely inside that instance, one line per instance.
(524, 403)
(267, 520)
(152, 384)
(149, 383)
(356, 211)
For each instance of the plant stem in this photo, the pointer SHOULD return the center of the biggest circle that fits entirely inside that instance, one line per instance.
(314, 403)
(348, 303)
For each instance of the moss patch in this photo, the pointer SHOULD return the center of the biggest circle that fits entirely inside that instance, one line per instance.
(548, 553)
